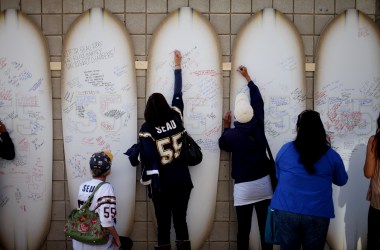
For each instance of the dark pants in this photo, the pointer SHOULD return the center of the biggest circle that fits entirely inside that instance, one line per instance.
(244, 218)
(373, 241)
(167, 204)
(298, 230)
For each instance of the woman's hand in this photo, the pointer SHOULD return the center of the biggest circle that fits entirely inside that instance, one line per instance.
(244, 72)
(177, 59)
(117, 242)
(227, 120)
(116, 239)
(3, 129)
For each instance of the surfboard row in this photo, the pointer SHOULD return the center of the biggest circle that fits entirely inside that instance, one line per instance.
(99, 106)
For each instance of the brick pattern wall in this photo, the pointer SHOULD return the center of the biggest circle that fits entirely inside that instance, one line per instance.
(141, 18)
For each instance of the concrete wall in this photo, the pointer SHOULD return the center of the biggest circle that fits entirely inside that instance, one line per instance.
(141, 18)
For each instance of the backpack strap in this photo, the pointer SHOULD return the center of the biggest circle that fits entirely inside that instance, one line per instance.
(89, 199)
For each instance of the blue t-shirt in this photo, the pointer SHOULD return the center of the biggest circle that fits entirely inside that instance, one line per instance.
(304, 193)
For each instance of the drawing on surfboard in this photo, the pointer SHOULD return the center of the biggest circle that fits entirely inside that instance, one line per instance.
(189, 32)
(271, 48)
(99, 105)
(26, 110)
(348, 98)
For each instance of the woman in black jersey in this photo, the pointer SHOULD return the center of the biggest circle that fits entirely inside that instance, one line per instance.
(164, 167)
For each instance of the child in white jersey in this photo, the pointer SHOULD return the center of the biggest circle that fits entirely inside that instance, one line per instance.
(104, 201)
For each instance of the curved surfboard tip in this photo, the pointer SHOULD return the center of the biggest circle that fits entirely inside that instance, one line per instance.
(350, 15)
(94, 13)
(364, 24)
(10, 12)
(16, 18)
(103, 16)
(263, 18)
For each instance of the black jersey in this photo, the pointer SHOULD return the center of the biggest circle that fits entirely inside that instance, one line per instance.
(160, 147)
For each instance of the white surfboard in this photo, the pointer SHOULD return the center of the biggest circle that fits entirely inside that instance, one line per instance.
(99, 110)
(347, 95)
(188, 31)
(271, 48)
(26, 109)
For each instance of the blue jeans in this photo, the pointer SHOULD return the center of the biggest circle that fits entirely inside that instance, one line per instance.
(298, 230)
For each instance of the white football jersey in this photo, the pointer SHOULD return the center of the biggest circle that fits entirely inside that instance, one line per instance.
(104, 203)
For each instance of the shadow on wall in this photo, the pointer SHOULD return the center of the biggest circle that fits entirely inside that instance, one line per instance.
(353, 196)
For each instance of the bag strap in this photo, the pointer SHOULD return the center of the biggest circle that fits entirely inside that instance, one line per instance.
(268, 148)
(266, 145)
(184, 132)
(179, 120)
(89, 199)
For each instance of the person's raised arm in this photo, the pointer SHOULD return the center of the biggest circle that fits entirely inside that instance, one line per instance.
(177, 97)
(244, 72)
(257, 102)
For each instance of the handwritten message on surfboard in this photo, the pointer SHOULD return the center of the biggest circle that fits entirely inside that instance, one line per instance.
(347, 95)
(26, 110)
(99, 110)
(271, 48)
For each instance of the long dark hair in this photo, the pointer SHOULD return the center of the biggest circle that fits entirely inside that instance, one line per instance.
(157, 111)
(311, 141)
(377, 138)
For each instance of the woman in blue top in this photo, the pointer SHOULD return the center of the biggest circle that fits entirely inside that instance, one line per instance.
(306, 169)
(165, 169)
